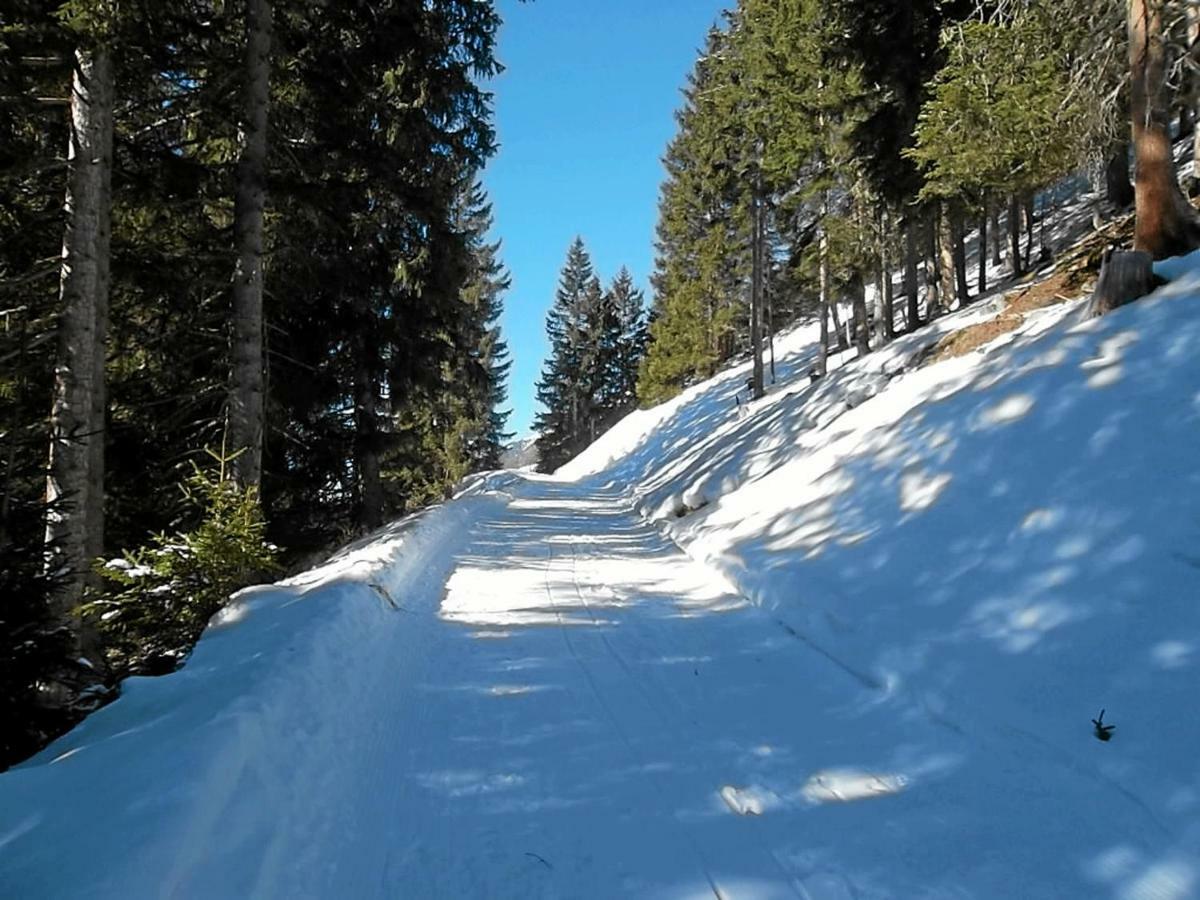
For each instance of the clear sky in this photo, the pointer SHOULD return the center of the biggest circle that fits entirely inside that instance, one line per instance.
(583, 113)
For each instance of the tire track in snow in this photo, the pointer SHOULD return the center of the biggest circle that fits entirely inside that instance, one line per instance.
(665, 714)
(564, 629)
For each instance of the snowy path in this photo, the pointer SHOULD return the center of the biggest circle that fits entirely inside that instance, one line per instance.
(577, 711)
(555, 702)
(578, 703)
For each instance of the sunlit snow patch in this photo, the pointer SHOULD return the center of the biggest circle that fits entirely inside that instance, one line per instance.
(847, 785)
(748, 801)
(920, 490)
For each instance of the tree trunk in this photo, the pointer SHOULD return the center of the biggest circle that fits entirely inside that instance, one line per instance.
(862, 330)
(997, 237)
(1014, 235)
(824, 304)
(884, 326)
(843, 340)
(958, 237)
(756, 267)
(1165, 224)
(366, 445)
(946, 257)
(983, 250)
(75, 482)
(911, 288)
(1193, 82)
(769, 305)
(246, 405)
(933, 268)
(1027, 213)
(1125, 276)
(1118, 190)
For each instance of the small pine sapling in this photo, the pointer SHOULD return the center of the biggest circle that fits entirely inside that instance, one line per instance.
(163, 594)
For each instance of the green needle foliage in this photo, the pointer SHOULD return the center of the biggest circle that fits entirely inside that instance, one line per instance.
(1002, 118)
(159, 597)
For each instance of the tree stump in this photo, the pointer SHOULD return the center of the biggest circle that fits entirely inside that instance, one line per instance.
(1125, 276)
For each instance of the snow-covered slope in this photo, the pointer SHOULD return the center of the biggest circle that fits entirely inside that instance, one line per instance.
(907, 591)
(1002, 544)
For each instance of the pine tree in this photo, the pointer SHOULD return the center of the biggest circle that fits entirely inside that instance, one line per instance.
(566, 387)
(247, 411)
(629, 342)
(75, 484)
(703, 232)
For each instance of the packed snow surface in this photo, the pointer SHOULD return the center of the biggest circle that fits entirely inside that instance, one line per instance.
(870, 672)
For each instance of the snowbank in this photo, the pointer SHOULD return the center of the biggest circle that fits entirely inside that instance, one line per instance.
(221, 743)
(1003, 543)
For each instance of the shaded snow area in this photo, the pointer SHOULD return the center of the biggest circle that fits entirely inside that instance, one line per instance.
(906, 592)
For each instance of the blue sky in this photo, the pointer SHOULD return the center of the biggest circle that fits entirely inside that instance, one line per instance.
(583, 112)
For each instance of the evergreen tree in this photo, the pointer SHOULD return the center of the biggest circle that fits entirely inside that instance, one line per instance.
(566, 387)
(78, 418)
(702, 237)
(484, 298)
(628, 343)
(1001, 118)
(339, 211)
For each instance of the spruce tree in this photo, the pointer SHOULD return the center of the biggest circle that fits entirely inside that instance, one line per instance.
(566, 387)
(702, 263)
(629, 342)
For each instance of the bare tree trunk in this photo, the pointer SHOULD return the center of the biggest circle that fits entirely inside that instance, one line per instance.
(843, 339)
(958, 237)
(933, 267)
(366, 450)
(1165, 225)
(842, 334)
(246, 405)
(997, 239)
(1125, 276)
(768, 296)
(946, 256)
(911, 288)
(824, 304)
(1118, 189)
(862, 330)
(1014, 235)
(884, 326)
(756, 271)
(75, 483)
(983, 250)
(1193, 82)
(1027, 213)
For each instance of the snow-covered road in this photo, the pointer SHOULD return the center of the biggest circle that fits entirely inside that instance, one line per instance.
(563, 704)
(588, 695)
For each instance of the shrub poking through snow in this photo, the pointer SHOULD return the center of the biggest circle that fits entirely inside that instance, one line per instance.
(159, 597)
(1103, 732)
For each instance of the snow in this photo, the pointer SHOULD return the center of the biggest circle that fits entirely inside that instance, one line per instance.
(844, 643)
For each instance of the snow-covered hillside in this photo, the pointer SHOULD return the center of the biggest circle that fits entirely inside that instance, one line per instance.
(907, 590)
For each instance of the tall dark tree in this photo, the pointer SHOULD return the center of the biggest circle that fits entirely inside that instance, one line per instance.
(247, 409)
(565, 389)
(629, 342)
(75, 485)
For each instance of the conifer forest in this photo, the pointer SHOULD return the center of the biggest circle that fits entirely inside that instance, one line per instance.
(251, 286)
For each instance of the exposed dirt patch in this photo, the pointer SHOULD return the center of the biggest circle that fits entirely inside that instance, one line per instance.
(1073, 276)
(972, 337)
